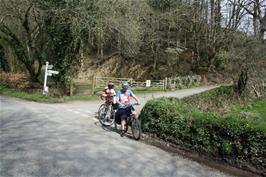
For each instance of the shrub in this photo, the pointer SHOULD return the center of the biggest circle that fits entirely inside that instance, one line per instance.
(222, 59)
(236, 139)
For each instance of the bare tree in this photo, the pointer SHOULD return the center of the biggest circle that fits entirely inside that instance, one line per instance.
(235, 13)
(256, 9)
(20, 28)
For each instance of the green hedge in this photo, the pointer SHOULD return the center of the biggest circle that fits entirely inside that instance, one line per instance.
(236, 139)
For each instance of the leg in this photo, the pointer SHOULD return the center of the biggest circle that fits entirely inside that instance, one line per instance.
(123, 123)
(133, 111)
(114, 99)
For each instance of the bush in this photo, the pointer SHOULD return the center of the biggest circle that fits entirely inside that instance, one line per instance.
(236, 139)
(221, 60)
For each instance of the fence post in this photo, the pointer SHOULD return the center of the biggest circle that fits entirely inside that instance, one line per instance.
(93, 85)
(130, 81)
(71, 88)
(165, 83)
(169, 82)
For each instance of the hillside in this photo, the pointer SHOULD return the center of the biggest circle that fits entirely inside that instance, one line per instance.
(117, 66)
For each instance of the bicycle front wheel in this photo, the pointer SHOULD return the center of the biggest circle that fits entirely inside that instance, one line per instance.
(136, 128)
(105, 115)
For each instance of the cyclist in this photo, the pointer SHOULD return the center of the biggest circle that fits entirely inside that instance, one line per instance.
(109, 93)
(124, 106)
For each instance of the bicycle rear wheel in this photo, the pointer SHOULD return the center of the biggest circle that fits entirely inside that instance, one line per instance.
(105, 115)
(135, 128)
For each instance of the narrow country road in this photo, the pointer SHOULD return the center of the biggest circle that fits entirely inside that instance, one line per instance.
(39, 139)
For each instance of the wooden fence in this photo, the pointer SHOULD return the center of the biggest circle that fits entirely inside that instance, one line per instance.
(97, 84)
(100, 82)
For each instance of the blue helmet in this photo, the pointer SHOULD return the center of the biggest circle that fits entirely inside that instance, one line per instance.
(124, 84)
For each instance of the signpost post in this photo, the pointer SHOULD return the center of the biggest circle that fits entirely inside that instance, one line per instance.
(148, 83)
(48, 72)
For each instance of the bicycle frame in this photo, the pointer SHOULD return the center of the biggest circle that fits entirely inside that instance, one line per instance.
(107, 99)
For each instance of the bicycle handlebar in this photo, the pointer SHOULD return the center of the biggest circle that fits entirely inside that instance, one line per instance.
(102, 97)
(135, 104)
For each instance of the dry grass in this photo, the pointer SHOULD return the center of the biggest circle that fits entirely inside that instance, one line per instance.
(14, 80)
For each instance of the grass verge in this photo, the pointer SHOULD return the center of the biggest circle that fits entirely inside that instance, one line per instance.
(147, 90)
(34, 96)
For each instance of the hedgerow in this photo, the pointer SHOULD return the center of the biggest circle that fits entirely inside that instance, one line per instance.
(233, 138)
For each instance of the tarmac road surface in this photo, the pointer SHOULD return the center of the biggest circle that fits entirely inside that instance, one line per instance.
(39, 139)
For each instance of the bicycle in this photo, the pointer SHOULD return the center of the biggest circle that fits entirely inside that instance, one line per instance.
(135, 125)
(106, 113)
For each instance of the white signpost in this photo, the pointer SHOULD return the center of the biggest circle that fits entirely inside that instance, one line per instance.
(49, 66)
(148, 83)
(52, 72)
(48, 72)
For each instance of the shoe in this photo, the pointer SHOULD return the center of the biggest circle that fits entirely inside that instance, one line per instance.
(122, 133)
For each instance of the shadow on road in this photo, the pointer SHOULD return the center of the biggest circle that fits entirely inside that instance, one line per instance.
(113, 128)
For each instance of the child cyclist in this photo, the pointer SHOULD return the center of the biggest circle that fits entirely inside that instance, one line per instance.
(109, 93)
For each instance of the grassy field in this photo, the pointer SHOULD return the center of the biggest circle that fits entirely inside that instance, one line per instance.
(224, 102)
(256, 106)
(254, 110)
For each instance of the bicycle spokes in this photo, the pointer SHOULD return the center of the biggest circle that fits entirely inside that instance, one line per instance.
(105, 115)
(136, 128)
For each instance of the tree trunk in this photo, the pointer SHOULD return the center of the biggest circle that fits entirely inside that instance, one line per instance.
(255, 26)
(263, 26)
(3, 60)
(241, 84)
(154, 57)
(217, 15)
(212, 4)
